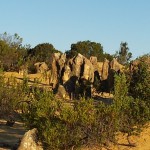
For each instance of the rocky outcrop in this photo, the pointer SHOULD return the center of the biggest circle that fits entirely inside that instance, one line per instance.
(77, 74)
(76, 64)
(30, 141)
(76, 71)
(105, 69)
(114, 65)
(41, 67)
(57, 65)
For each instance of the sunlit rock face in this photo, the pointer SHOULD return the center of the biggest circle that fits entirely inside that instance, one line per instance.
(30, 141)
(78, 73)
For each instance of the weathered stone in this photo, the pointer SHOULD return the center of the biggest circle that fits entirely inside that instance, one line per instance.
(76, 65)
(67, 74)
(41, 67)
(56, 55)
(61, 62)
(79, 73)
(93, 60)
(88, 70)
(54, 70)
(116, 66)
(30, 141)
(61, 92)
(105, 69)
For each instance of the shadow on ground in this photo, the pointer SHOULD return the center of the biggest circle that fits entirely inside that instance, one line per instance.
(10, 136)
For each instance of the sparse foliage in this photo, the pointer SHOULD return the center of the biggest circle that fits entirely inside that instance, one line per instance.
(123, 55)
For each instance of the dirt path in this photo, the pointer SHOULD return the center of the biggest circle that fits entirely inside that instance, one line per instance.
(142, 141)
(10, 136)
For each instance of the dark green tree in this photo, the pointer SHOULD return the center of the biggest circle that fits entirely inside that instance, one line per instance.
(87, 49)
(123, 55)
(42, 52)
(140, 79)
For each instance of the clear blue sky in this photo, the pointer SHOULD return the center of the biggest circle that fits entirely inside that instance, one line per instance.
(63, 22)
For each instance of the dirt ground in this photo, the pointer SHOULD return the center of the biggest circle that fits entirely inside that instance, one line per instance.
(140, 142)
(10, 136)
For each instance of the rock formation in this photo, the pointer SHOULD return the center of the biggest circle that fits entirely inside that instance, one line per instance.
(114, 65)
(77, 74)
(41, 67)
(30, 141)
(105, 69)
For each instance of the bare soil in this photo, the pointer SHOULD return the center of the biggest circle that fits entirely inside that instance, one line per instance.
(10, 136)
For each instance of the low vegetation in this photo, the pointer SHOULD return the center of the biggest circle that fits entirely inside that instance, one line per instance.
(64, 125)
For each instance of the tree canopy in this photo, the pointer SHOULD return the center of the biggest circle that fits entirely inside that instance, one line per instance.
(123, 55)
(12, 40)
(140, 79)
(11, 51)
(42, 52)
(87, 48)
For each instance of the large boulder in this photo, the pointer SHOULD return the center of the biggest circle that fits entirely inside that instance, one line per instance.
(67, 74)
(78, 71)
(54, 70)
(76, 65)
(105, 69)
(57, 65)
(114, 65)
(93, 60)
(30, 141)
(61, 62)
(61, 92)
(88, 70)
(41, 67)
(99, 68)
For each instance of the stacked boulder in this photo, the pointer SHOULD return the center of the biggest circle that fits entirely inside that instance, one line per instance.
(77, 75)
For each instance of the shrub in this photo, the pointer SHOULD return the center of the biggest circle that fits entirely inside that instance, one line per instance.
(131, 112)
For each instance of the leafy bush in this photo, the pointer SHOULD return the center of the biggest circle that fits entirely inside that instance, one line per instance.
(64, 125)
(131, 112)
(140, 82)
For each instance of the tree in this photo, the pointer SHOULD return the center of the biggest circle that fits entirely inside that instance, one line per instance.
(12, 52)
(140, 79)
(87, 49)
(12, 40)
(123, 55)
(42, 52)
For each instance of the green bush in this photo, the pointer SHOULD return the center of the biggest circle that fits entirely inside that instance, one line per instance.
(131, 112)
(63, 125)
(13, 96)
